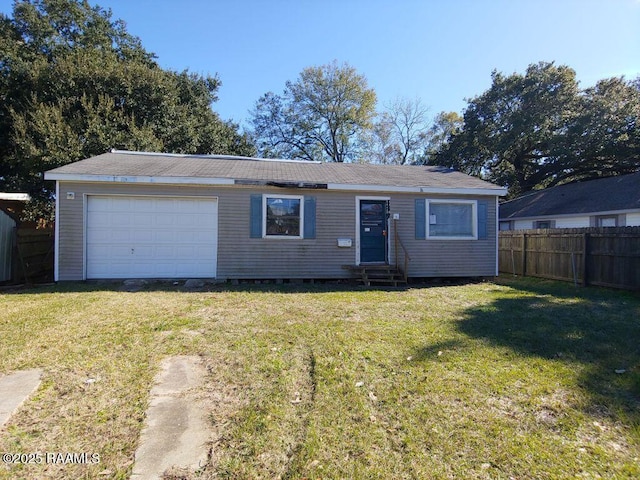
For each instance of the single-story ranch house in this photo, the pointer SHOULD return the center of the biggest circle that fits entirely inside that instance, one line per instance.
(604, 202)
(153, 215)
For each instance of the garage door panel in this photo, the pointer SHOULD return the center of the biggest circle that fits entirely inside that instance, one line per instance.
(140, 219)
(109, 236)
(164, 251)
(151, 237)
(145, 221)
(207, 222)
(166, 236)
(140, 235)
(188, 221)
(100, 207)
(107, 270)
(166, 220)
(122, 219)
(199, 237)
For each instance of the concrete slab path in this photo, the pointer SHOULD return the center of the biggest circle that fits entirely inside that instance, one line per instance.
(176, 430)
(15, 389)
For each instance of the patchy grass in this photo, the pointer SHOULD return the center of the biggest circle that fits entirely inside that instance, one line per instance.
(515, 379)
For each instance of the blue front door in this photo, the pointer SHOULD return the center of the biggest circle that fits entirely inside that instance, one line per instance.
(373, 231)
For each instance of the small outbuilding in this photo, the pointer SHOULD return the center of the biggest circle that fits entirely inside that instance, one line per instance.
(11, 205)
(153, 215)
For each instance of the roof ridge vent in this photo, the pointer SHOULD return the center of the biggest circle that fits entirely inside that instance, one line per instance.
(212, 157)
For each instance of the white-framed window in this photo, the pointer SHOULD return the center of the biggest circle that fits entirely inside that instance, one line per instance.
(541, 224)
(282, 216)
(452, 219)
(608, 221)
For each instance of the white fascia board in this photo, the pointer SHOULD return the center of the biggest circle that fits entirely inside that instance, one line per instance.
(500, 192)
(70, 177)
(428, 190)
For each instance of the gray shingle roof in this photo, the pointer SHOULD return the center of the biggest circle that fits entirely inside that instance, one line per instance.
(120, 164)
(601, 195)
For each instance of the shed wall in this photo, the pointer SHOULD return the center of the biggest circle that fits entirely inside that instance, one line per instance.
(7, 225)
(240, 256)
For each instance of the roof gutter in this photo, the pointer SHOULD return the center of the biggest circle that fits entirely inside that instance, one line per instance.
(428, 190)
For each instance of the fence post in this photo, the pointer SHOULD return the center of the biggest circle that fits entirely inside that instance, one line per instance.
(585, 253)
(14, 255)
(524, 254)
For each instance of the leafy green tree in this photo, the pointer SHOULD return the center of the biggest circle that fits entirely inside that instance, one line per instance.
(605, 137)
(321, 116)
(539, 129)
(444, 127)
(74, 84)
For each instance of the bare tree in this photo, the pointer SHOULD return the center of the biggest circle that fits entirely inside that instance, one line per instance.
(401, 134)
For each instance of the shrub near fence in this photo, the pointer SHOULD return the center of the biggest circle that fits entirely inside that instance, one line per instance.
(608, 257)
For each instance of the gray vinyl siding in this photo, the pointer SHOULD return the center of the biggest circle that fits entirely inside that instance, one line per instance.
(447, 258)
(242, 257)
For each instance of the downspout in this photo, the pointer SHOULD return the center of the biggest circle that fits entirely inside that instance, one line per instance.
(497, 236)
(56, 235)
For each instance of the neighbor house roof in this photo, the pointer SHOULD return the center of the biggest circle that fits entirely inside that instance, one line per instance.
(144, 167)
(609, 194)
(17, 197)
(13, 204)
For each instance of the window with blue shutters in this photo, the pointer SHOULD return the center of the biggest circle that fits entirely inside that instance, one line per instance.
(282, 216)
(452, 219)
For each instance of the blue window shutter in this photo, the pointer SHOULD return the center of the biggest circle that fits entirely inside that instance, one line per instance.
(482, 220)
(256, 216)
(309, 217)
(421, 218)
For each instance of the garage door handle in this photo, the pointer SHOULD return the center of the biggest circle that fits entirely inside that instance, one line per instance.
(132, 251)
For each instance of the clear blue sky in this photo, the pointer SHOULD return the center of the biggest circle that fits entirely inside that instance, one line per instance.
(441, 51)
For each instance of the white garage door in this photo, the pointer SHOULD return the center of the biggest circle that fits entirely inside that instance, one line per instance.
(151, 237)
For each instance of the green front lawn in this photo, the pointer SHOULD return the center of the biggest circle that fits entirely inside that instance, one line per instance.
(515, 379)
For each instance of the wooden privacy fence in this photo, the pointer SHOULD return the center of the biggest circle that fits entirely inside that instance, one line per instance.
(33, 255)
(608, 257)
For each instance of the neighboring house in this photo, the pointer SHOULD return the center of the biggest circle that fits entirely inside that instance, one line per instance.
(605, 202)
(151, 215)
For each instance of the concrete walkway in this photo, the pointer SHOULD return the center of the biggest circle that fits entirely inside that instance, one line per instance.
(176, 430)
(15, 389)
